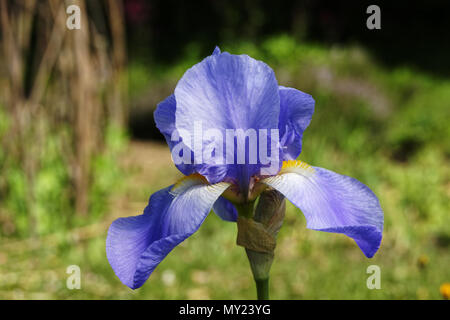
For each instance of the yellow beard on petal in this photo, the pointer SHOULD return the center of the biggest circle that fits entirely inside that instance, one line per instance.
(296, 166)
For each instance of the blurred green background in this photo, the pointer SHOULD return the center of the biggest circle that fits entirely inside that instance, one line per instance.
(79, 147)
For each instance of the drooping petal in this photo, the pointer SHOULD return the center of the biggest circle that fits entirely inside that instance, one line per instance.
(332, 202)
(136, 245)
(225, 210)
(223, 92)
(296, 110)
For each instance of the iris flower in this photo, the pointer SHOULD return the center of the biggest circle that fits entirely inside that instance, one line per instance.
(226, 91)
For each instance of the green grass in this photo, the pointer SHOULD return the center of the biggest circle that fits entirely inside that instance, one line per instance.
(386, 127)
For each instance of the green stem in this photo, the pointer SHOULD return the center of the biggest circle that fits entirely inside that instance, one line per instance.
(262, 288)
(260, 264)
(245, 209)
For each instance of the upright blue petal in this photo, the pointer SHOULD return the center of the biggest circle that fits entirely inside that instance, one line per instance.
(216, 50)
(136, 245)
(164, 116)
(332, 203)
(296, 110)
(223, 92)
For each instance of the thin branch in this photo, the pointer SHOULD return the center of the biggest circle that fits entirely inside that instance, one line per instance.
(50, 57)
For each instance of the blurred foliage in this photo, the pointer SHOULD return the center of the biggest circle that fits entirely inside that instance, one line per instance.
(52, 207)
(62, 114)
(387, 127)
(107, 174)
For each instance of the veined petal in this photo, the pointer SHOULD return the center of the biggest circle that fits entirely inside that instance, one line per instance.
(136, 245)
(296, 110)
(332, 202)
(227, 92)
(225, 210)
(164, 116)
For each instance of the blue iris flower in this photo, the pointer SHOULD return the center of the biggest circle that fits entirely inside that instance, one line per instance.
(226, 91)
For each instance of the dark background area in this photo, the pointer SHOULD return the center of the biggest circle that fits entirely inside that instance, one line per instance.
(413, 32)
